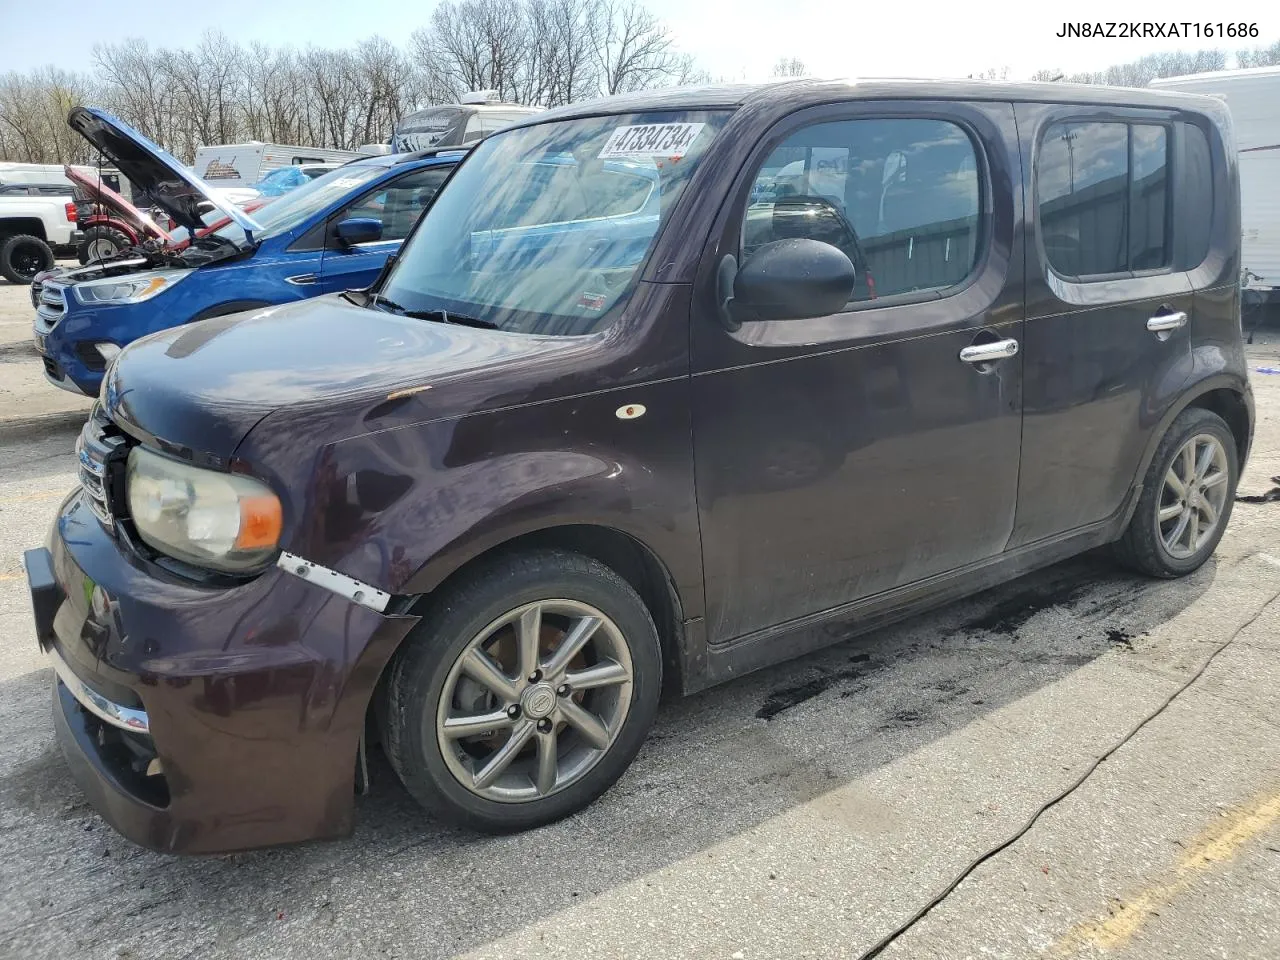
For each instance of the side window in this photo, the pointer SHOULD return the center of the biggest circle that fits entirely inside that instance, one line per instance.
(475, 129)
(493, 122)
(400, 204)
(1102, 190)
(900, 197)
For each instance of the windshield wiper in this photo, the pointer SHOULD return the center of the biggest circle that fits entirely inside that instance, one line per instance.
(444, 316)
(441, 316)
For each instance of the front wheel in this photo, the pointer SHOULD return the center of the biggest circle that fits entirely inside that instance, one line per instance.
(524, 694)
(1186, 499)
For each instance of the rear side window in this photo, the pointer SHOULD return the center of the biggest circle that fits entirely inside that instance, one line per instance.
(900, 197)
(1103, 198)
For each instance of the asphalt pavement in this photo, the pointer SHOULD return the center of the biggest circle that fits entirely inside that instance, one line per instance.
(809, 810)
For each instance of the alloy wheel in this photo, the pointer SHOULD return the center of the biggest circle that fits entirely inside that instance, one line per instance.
(1193, 496)
(534, 701)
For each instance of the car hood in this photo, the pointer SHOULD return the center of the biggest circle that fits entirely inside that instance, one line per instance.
(100, 193)
(174, 188)
(197, 390)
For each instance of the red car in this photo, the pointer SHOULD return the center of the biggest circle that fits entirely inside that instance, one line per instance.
(111, 224)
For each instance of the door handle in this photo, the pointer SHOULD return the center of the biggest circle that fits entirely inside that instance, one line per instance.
(302, 279)
(986, 352)
(1167, 321)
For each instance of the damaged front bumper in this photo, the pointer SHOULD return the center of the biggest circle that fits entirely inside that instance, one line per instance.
(203, 719)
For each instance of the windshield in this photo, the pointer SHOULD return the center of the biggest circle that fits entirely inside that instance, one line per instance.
(297, 205)
(545, 228)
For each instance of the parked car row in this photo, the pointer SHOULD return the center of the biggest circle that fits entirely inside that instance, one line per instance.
(473, 454)
(335, 232)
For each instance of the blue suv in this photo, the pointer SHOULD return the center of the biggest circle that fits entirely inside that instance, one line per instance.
(331, 234)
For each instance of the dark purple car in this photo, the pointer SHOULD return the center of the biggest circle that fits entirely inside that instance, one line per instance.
(660, 389)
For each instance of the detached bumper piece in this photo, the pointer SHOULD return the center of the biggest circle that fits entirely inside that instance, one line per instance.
(110, 765)
(126, 718)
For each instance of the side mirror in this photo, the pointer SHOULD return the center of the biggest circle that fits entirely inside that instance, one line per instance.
(358, 230)
(795, 279)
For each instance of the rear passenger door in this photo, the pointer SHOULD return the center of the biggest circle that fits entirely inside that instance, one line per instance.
(1109, 303)
(844, 456)
(397, 204)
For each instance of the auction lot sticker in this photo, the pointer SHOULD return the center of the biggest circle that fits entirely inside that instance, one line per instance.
(651, 140)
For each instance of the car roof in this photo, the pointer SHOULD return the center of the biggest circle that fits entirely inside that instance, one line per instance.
(795, 94)
(439, 155)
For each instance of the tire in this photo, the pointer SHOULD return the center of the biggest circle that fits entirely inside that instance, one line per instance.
(1145, 544)
(426, 686)
(95, 238)
(22, 256)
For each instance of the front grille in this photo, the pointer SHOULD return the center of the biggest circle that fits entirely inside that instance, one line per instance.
(51, 368)
(50, 305)
(101, 450)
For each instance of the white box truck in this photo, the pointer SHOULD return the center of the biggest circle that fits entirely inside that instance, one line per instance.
(1253, 99)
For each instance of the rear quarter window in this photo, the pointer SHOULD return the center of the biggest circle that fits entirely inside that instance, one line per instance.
(1194, 208)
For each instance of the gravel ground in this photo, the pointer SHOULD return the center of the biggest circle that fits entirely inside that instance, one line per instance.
(806, 811)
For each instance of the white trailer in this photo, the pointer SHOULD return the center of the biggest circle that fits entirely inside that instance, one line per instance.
(244, 164)
(1253, 99)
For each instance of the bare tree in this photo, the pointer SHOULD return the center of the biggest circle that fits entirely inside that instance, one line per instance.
(790, 67)
(547, 52)
(991, 73)
(1260, 56)
(1142, 71)
(477, 45)
(135, 82)
(633, 49)
(33, 111)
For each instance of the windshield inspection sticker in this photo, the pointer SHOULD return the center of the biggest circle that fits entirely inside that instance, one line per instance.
(651, 140)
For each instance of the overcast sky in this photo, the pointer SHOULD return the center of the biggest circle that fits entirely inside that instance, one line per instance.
(732, 39)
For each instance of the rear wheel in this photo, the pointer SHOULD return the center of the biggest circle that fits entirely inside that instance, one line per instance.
(1186, 498)
(525, 694)
(22, 257)
(102, 243)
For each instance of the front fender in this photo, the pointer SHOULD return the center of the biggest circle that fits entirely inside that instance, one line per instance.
(403, 508)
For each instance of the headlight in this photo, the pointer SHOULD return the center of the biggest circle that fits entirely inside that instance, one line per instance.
(219, 520)
(133, 288)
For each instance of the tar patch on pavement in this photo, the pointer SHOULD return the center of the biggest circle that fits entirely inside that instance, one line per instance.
(1009, 615)
(785, 698)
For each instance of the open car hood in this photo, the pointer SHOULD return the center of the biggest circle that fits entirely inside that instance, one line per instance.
(174, 188)
(99, 193)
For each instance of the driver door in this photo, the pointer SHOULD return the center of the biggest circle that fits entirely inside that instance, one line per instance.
(846, 456)
(397, 204)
